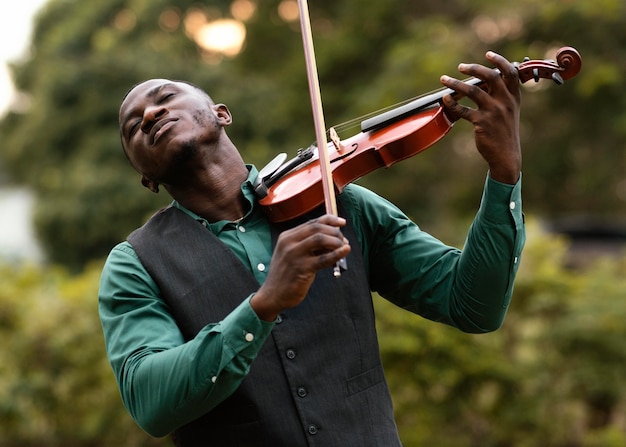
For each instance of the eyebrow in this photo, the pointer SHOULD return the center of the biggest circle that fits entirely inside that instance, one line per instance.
(155, 91)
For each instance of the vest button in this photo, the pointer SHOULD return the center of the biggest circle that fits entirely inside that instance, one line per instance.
(291, 354)
(302, 392)
(279, 319)
(312, 429)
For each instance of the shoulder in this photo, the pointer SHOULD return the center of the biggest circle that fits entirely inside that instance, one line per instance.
(121, 257)
(363, 205)
(123, 271)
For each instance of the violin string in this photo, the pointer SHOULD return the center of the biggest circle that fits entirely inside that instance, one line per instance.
(354, 122)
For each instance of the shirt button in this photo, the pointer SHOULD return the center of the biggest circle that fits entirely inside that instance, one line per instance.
(241, 228)
(515, 260)
(312, 429)
(512, 205)
(291, 354)
(260, 267)
(279, 319)
(302, 392)
(214, 379)
(249, 337)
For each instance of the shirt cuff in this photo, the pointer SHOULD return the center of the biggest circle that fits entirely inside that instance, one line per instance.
(502, 202)
(243, 330)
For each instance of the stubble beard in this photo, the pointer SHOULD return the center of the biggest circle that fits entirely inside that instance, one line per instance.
(191, 148)
(188, 150)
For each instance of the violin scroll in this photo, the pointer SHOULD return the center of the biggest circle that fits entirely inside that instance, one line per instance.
(567, 65)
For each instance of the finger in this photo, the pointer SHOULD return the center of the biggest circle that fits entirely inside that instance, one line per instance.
(327, 223)
(309, 255)
(330, 219)
(502, 79)
(324, 242)
(464, 89)
(320, 228)
(312, 239)
(454, 109)
(508, 72)
(330, 258)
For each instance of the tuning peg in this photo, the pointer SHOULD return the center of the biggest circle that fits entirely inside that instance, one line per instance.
(536, 74)
(557, 78)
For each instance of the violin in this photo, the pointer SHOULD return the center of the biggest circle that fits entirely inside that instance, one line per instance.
(289, 189)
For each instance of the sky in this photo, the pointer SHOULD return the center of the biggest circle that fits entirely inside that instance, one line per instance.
(15, 31)
(17, 240)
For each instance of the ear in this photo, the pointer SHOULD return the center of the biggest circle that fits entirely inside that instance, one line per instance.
(152, 186)
(223, 114)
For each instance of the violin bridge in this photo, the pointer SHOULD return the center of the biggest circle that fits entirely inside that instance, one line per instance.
(334, 138)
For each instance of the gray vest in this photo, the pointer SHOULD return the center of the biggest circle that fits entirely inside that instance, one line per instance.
(317, 381)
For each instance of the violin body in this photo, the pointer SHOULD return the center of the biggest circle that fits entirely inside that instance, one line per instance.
(301, 190)
(384, 140)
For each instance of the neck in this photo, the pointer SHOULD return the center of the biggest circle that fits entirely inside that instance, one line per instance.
(220, 198)
(212, 189)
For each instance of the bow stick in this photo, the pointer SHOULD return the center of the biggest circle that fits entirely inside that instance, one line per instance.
(318, 120)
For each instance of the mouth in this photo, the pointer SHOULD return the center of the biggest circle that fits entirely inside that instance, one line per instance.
(160, 128)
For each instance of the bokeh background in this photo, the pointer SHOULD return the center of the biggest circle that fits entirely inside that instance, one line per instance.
(554, 375)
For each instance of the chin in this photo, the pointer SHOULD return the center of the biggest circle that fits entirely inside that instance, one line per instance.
(188, 150)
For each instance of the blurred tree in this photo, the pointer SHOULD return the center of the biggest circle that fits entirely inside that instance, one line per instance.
(56, 387)
(86, 55)
(576, 137)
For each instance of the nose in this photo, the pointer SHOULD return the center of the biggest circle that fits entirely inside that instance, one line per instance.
(150, 116)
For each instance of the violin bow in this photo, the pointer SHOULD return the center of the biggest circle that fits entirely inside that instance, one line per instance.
(318, 121)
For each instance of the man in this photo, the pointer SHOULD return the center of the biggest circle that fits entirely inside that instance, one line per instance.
(224, 329)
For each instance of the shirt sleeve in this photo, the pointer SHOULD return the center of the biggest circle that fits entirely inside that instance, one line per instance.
(164, 381)
(470, 288)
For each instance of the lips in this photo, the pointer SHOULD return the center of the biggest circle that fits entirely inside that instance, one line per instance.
(160, 128)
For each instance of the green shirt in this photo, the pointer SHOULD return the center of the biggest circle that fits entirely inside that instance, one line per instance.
(166, 382)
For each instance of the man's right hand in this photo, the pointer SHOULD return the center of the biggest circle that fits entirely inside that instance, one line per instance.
(299, 254)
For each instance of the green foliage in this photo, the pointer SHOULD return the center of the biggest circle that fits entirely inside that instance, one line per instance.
(56, 387)
(85, 55)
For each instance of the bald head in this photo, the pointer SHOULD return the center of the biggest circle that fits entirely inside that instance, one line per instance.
(165, 123)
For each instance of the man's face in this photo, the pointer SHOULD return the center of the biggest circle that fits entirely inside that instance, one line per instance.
(163, 124)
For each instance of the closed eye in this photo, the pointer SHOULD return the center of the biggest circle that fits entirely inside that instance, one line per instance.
(165, 98)
(133, 127)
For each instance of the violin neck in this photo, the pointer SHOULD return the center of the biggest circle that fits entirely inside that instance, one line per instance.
(410, 108)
